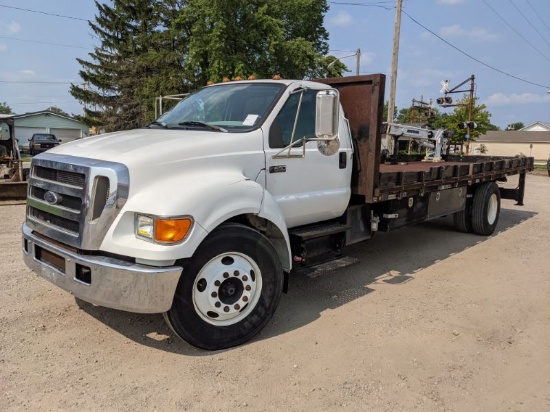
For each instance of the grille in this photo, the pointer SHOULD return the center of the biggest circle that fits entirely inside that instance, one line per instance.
(70, 202)
(88, 196)
(50, 219)
(64, 220)
(61, 176)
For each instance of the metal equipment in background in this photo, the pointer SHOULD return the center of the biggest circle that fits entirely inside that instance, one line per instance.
(436, 142)
(13, 185)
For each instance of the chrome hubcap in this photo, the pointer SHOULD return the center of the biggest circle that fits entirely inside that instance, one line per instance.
(227, 289)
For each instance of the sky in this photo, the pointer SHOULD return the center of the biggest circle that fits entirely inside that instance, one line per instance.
(505, 44)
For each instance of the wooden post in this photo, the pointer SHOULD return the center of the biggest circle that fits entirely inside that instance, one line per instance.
(393, 76)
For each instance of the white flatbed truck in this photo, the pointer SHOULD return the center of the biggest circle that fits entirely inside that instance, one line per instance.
(205, 214)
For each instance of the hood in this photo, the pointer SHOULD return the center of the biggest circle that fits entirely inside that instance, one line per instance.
(155, 147)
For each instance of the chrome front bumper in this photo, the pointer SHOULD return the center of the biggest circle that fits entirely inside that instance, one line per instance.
(101, 280)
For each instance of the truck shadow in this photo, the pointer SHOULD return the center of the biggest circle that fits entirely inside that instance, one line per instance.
(391, 258)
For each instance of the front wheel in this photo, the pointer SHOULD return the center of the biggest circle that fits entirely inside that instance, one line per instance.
(229, 289)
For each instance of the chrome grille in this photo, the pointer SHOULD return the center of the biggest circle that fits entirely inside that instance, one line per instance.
(75, 200)
(70, 202)
(57, 221)
(61, 176)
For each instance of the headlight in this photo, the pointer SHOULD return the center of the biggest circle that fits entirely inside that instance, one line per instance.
(163, 230)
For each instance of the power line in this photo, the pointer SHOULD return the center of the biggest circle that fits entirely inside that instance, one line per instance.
(375, 4)
(538, 15)
(515, 31)
(43, 12)
(528, 21)
(473, 58)
(43, 42)
(61, 101)
(31, 82)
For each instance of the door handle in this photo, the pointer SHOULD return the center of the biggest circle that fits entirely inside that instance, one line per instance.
(343, 160)
(277, 169)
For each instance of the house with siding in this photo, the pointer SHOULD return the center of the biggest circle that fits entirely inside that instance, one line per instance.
(536, 127)
(512, 143)
(63, 127)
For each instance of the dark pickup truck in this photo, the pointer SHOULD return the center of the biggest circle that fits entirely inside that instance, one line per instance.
(40, 142)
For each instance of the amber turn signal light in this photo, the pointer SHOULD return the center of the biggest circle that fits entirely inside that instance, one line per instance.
(172, 230)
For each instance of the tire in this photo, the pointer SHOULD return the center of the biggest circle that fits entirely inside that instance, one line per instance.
(229, 289)
(463, 220)
(486, 209)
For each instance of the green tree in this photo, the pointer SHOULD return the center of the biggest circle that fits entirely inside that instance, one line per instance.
(515, 126)
(460, 115)
(259, 37)
(5, 109)
(151, 48)
(419, 115)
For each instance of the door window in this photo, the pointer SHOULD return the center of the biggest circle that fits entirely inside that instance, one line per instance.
(280, 134)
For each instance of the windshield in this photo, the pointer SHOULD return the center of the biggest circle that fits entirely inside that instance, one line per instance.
(43, 137)
(234, 107)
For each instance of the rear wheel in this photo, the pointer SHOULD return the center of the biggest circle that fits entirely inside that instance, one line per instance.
(229, 289)
(463, 220)
(486, 209)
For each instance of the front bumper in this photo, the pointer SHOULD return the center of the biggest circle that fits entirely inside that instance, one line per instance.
(102, 280)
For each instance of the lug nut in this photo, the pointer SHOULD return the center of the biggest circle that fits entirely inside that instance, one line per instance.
(226, 275)
(217, 283)
(226, 309)
(245, 298)
(245, 278)
(236, 273)
(248, 288)
(237, 307)
(217, 304)
(214, 295)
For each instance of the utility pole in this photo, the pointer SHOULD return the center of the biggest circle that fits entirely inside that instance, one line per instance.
(393, 76)
(358, 63)
(470, 109)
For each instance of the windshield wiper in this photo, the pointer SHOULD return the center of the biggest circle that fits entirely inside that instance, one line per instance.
(205, 125)
(157, 123)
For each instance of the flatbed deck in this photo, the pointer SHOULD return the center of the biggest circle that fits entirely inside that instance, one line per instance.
(405, 179)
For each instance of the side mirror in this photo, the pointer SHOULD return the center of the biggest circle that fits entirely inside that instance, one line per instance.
(326, 114)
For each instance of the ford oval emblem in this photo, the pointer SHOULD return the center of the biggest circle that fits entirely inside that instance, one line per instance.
(52, 198)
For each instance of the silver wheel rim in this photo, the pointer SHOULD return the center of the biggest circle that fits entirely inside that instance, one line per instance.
(492, 209)
(227, 289)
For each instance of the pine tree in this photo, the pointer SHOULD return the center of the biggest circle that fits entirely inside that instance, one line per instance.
(130, 67)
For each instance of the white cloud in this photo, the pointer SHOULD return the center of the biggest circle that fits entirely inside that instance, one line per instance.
(9, 28)
(3, 47)
(500, 99)
(28, 72)
(342, 19)
(478, 33)
(452, 2)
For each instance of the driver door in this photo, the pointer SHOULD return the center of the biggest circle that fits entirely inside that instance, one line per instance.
(314, 187)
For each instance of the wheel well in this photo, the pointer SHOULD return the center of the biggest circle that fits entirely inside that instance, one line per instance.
(270, 231)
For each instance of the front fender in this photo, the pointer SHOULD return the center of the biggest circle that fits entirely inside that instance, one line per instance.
(271, 212)
(210, 199)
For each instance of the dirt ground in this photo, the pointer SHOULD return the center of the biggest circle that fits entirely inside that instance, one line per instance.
(430, 320)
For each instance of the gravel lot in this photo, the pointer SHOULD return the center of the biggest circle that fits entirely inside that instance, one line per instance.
(430, 320)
